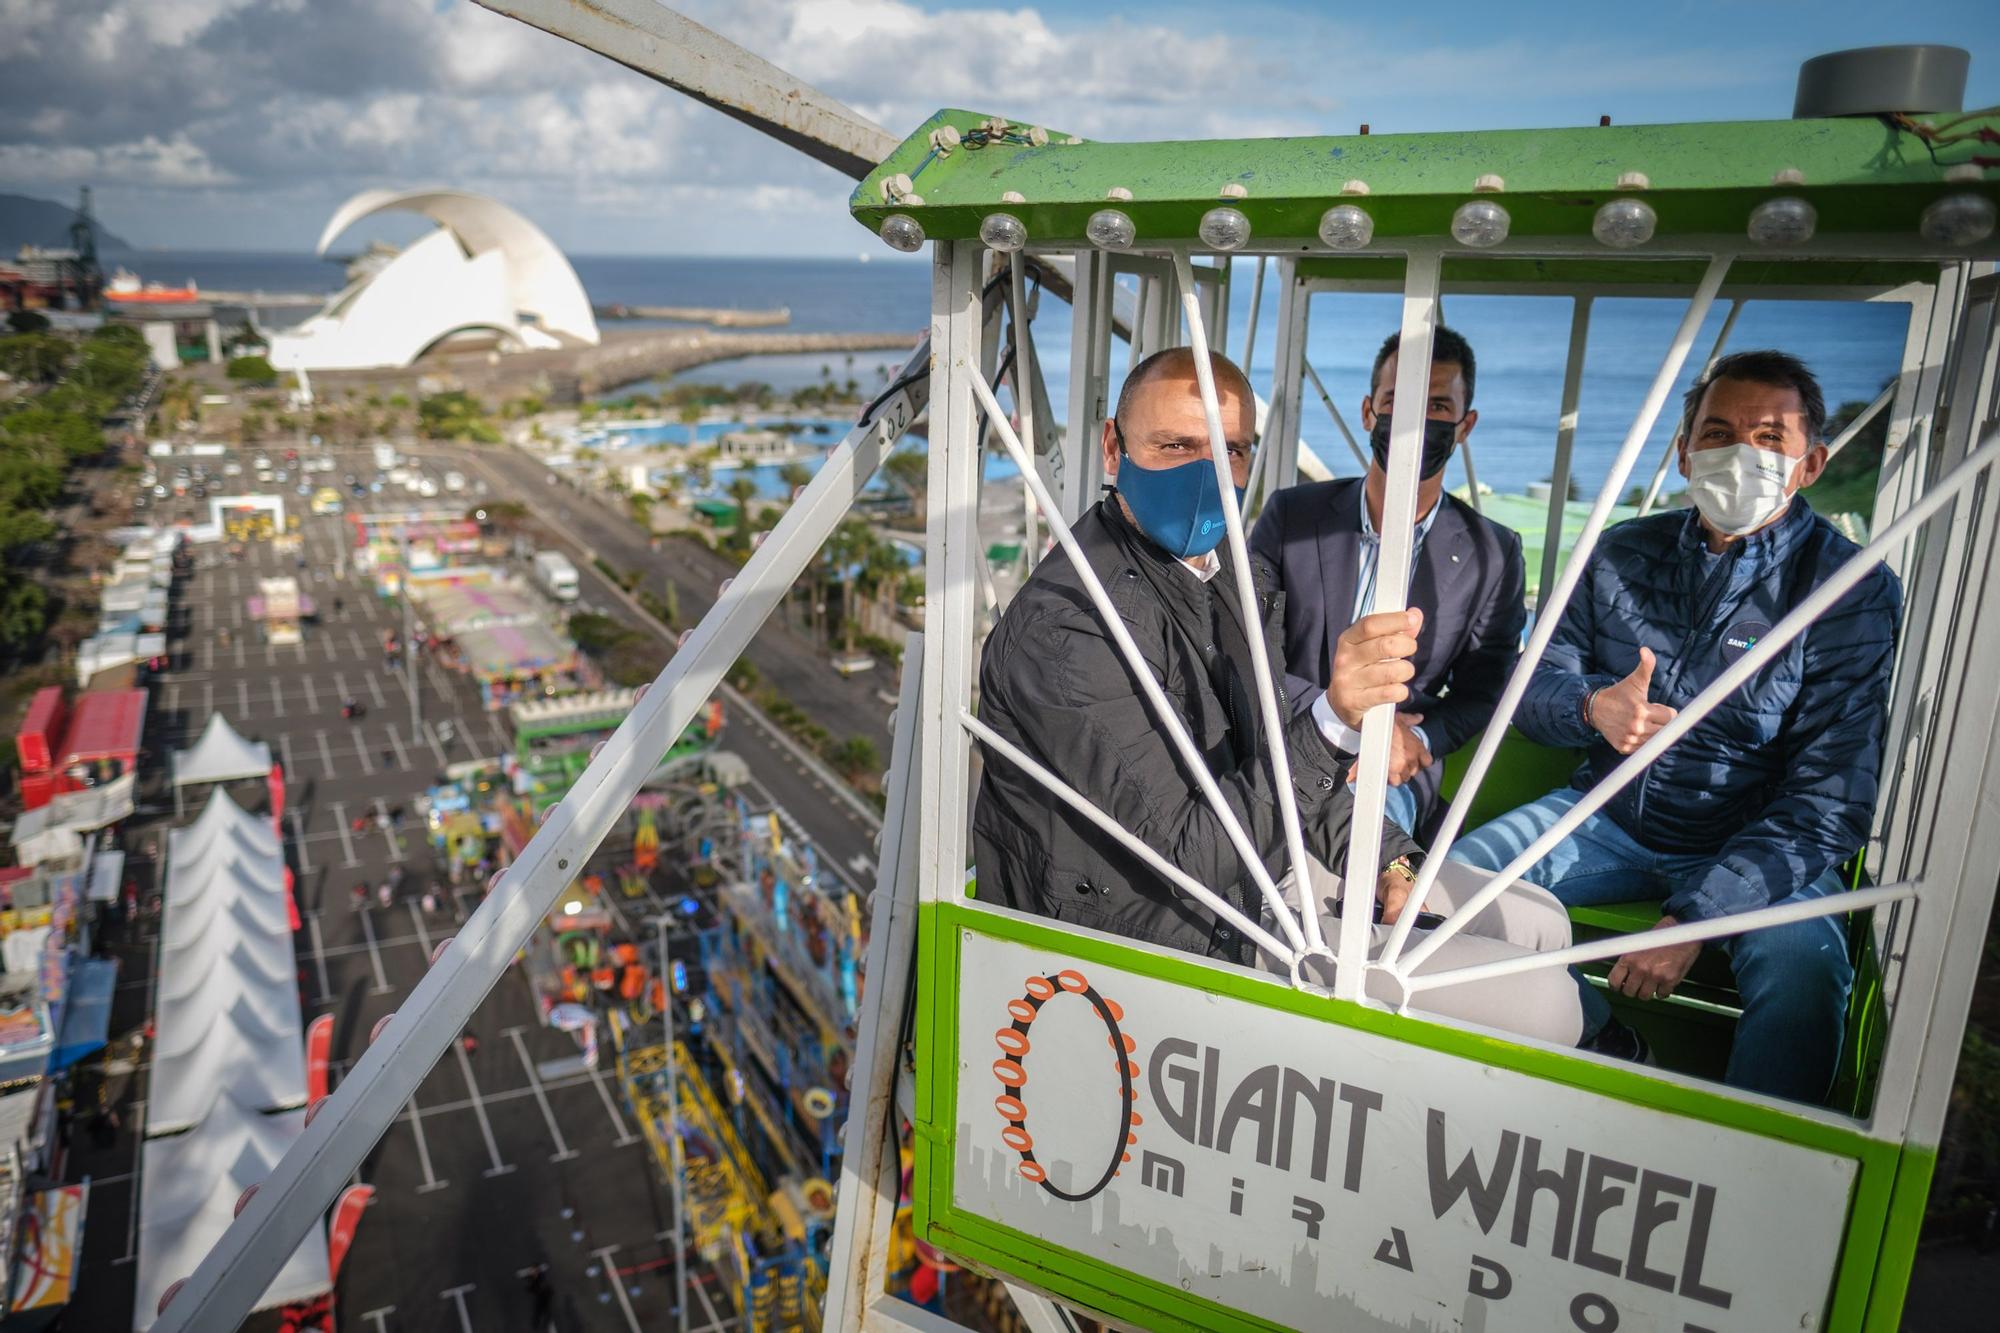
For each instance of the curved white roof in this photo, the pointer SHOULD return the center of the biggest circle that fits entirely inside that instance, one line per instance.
(485, 266)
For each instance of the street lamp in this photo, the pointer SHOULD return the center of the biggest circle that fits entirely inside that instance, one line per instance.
(675, 1170)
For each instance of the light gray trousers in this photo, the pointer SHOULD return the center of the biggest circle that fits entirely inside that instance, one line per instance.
(1542, 1004)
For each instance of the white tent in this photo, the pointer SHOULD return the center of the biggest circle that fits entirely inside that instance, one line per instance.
(221, 756)
(261, 911)
(192, 1182)
(220, 818)
(237, 1060)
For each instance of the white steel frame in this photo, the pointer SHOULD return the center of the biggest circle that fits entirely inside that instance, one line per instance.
(1940, 823)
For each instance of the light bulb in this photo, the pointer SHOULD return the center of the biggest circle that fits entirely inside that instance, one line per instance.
(1624, 223)
(1346, 227)
(1480, 223)
(902, 232)
(1109, 229)
(1003, 232)
(1224, 228)
(1958, 219)
(1786, 220)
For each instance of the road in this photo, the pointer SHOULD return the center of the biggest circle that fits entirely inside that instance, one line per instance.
(496, 1165)
(782, 655)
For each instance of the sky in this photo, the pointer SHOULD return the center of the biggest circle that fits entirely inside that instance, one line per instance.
(242, 124)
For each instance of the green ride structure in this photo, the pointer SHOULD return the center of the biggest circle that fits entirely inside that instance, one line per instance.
(1159, 1140)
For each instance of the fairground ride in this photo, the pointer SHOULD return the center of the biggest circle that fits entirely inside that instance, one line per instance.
(1170, 1183)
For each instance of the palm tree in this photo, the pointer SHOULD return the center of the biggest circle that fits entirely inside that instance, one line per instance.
(847, 550)
(691, 418)
(742, 489)
(794, 475)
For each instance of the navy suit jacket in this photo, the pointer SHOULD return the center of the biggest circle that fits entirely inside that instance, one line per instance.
(1469, 583)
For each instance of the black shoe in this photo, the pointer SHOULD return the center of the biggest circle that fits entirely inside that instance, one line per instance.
(1620, 1043)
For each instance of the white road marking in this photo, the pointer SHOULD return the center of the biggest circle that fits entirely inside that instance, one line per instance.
(430, 734)
(378, 1316)
(431, 1182)
(603, 1258)
(457, 1295)
(242, 700)
(382, 986)
(625, 1135)
(278, 695)
(299, 841)
(319, 956)
(239, 652)
(312, 695)
(138, 1140)
(402, 756)
(375, 688)
(207, 698)
(498, 1168)
(346, 835)
(325, 753)
(563, 1151)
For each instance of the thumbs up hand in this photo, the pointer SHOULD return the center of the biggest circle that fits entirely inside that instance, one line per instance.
(1622, 714)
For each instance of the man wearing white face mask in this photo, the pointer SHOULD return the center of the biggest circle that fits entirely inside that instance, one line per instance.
(1763, 800)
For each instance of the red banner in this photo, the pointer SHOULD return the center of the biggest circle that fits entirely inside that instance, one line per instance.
(319, 1051)
(277, 781)
(346, 1217)
(291, 902)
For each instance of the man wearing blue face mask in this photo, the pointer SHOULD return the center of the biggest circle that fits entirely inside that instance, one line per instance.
(1466, 576)
(1053, 682)
(1763, 800)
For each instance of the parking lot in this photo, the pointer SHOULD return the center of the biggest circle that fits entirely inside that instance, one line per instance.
(495, 1166)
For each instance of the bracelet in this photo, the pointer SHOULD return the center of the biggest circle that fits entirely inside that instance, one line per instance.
(1589, 703)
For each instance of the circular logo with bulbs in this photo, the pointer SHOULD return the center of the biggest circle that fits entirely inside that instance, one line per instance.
(1045, 995)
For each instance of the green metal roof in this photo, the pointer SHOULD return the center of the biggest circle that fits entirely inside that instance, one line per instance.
(1702, 179)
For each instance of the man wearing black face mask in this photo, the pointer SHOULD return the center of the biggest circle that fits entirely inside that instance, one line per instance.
(1466, 577)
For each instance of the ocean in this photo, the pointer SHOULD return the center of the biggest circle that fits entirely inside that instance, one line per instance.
(1855, 347)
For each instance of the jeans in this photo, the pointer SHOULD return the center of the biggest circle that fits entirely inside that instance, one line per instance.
(1400, 806)
(1793, 979)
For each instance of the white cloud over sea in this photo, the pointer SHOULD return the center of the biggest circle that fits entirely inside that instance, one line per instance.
(243, 123)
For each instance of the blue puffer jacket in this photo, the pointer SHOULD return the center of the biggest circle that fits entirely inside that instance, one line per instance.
(1779, 781)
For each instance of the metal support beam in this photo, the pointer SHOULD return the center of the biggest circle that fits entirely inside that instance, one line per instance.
(680, 53)
(1572, 392)
(225, 1286)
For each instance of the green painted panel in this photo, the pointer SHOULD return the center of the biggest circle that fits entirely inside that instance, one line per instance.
(1888, 1192)
(1703, 179)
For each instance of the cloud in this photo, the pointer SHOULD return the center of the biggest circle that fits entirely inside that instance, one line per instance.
(245, 122)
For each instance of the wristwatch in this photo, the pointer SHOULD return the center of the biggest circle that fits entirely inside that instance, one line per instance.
(1407, 865)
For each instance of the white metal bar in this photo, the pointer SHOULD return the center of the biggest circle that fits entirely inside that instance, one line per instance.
(1860, 422)
(1246, 599)
(1572, 393)
(1256, 308)
(1667, 454)
(1769, 645)
(1694, 932)
(1396, 548)
(1281, 424)
(1319, 387)
(1026, 376)
(1169, 721)
(1471, 475)
(952, 550)
(1549, 608)
(238, 1270)
(878, 1030)
(1166, 869)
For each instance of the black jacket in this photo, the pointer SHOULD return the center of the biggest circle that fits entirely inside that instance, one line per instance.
(1468, 583)
(1053, 682)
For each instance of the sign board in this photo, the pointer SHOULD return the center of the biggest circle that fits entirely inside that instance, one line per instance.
(51, 1225)
(1323, 1177)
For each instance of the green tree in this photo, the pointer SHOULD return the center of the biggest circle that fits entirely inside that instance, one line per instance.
(856, 757)
(794, 475)
(690, 415)
(35, 358)
(27, 321)
(742, 489)
(252, 370)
